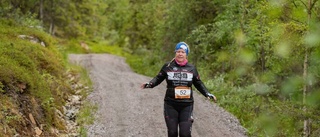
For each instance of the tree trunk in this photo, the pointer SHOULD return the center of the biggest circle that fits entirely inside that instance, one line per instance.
(51, 29)
(307, 121)
(41, 10)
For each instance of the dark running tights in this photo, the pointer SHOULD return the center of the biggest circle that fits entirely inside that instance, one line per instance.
(178, 116)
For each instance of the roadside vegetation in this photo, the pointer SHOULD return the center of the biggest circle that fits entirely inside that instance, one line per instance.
(260, 58)
(35, 83)
(32, 79)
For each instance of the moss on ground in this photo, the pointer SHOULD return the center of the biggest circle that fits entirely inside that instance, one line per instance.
(33, 81)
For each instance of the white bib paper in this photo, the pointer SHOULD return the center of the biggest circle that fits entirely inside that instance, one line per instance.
(182, 92)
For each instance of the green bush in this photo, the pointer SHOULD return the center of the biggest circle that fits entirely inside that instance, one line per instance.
(261, 114)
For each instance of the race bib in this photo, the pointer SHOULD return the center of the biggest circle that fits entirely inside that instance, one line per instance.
(182, 92)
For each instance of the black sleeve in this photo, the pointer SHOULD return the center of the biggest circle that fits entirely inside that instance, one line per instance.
(199, 84)
(160, 77)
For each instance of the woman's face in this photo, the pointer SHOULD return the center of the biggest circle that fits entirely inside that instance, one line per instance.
(181, 55)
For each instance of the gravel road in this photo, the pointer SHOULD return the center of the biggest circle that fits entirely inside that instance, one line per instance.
(125, 110)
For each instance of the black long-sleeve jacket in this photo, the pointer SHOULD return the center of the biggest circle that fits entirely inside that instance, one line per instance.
(179, 82)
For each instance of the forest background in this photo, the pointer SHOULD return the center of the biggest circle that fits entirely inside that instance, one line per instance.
(261, 58)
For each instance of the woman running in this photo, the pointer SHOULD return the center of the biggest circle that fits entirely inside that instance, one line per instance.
(178, 101)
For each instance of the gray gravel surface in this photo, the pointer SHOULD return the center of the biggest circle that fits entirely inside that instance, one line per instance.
(125, 110)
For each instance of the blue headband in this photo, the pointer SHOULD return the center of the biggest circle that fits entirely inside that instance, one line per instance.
(182, 45)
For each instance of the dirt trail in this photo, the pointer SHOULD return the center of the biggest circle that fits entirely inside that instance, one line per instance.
(125, 110)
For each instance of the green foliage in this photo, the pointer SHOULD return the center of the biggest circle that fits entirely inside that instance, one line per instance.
(71, 46)
(19, 16)
(1, 87)
(86, 113)
(146, 66)
(104, 47)
(259, 113)
(31, 70)
(72, 19)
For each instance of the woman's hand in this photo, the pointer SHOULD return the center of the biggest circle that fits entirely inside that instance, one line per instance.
(145, 85)
(211, 96)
